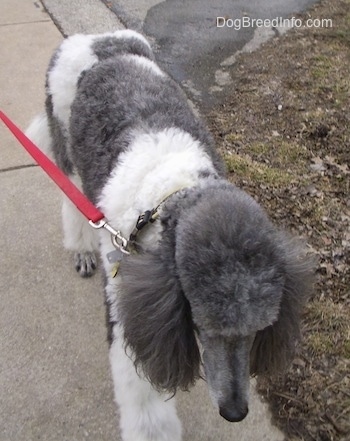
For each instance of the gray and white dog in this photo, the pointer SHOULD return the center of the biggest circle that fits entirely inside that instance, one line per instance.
(211, 271)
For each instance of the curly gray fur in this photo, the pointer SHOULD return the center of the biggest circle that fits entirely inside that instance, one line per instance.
(222, 271)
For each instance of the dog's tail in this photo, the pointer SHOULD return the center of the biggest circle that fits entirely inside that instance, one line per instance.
(39, 133)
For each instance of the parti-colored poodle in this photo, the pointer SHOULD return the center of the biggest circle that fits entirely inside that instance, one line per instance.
(210, 282)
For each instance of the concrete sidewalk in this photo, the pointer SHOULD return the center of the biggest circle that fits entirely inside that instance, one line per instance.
(55, 383)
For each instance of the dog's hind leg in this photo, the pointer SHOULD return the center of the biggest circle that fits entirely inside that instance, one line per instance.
(38, 132)
(79, 237)
(145, 414)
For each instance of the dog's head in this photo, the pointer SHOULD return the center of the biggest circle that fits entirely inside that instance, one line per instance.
(224, 275)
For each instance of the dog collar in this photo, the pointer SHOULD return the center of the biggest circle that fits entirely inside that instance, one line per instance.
(131, 246)
(148, 217)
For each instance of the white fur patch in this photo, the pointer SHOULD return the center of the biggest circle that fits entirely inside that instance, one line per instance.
(146, 415)
(76, 55)
(154, 166)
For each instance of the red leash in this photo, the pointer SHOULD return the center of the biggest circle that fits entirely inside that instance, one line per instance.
(83, 204)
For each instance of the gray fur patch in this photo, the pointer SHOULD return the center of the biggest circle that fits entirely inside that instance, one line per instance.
(58, 132)
(225, 250)
(116, 100)
(110, 46)
(59, 139)
(240, 278)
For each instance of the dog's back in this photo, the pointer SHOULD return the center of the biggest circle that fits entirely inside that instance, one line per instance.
(102, 91)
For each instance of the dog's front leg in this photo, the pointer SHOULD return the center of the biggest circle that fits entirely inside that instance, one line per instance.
(80, 238)
(145, 414)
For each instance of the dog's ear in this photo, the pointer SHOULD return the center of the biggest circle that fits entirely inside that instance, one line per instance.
(157, 321)
(274, 346)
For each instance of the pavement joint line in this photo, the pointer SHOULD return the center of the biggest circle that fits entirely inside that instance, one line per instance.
(55, 21)
(122, 15)
(17, 167)
(25, 22)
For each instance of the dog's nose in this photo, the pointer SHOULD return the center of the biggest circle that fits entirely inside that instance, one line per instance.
(233, 414)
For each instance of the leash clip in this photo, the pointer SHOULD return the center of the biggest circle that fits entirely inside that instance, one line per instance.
(118, 240)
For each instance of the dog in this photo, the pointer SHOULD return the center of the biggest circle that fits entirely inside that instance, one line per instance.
(211, 287)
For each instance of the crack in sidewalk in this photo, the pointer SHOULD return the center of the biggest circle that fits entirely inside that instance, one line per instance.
(17, 167)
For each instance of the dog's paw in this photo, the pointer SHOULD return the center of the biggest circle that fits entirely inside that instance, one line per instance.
(85, 263)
